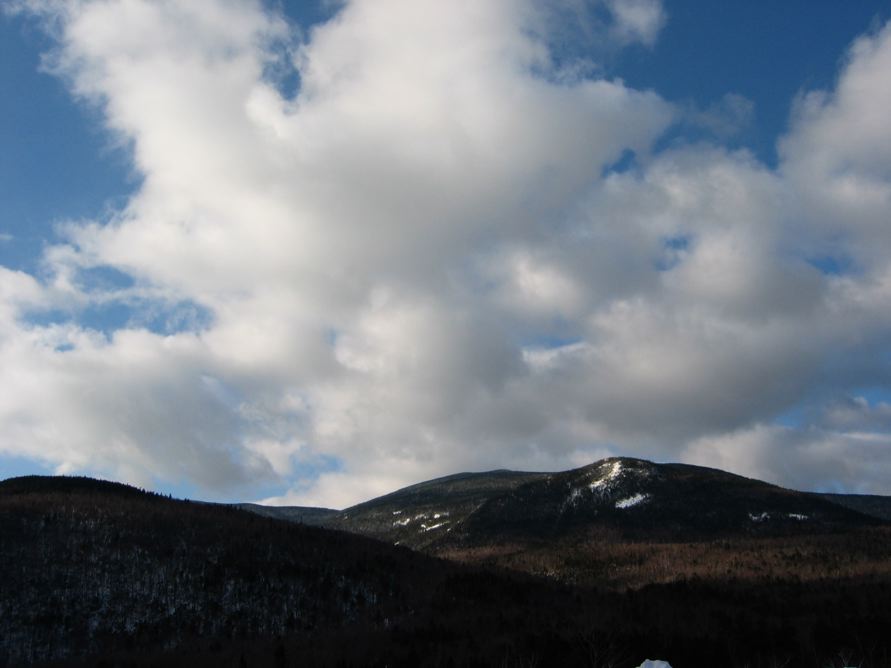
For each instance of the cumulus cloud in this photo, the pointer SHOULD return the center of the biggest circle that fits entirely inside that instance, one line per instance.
(637, 20)
(808, 459)
(838, 156)
(422, 260)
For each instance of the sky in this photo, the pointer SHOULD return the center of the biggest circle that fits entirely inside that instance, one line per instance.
(311, 252)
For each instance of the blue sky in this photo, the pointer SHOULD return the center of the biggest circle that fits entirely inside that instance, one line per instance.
(57, 160)
(296, 273)
(767, 52)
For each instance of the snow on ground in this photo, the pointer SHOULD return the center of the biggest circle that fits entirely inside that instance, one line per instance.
(603, 483)
(632, 501)
(405, 521)
(763, 517)
(425, 528)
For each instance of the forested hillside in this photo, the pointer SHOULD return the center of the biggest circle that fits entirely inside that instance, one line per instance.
(100, 574)
(89, 564)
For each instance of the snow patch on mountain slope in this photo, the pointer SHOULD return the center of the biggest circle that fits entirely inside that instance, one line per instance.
(614, 481)
(763, 517)
(631, 501)
(436, 514)
(605, 482)
(425, 528)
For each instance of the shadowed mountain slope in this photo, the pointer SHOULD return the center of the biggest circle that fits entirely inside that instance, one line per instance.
(868, 504)
(97, 573)
(87, 561)
(418, 516)
(303, 514)
(633, 498)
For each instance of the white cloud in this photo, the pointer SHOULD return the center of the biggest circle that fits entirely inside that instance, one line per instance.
(727, 117)
(416, 265)
(838, 155)
(810, 459)
(637, 20)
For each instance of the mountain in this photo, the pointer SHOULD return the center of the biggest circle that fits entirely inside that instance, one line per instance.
(615, 522)
(632, 497)
(420, 515)
(101, 574)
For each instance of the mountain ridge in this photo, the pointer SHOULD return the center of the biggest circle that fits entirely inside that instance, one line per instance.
(636, 496)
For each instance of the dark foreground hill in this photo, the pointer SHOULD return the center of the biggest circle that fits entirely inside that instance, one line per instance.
(101, 574)
(90, 564)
